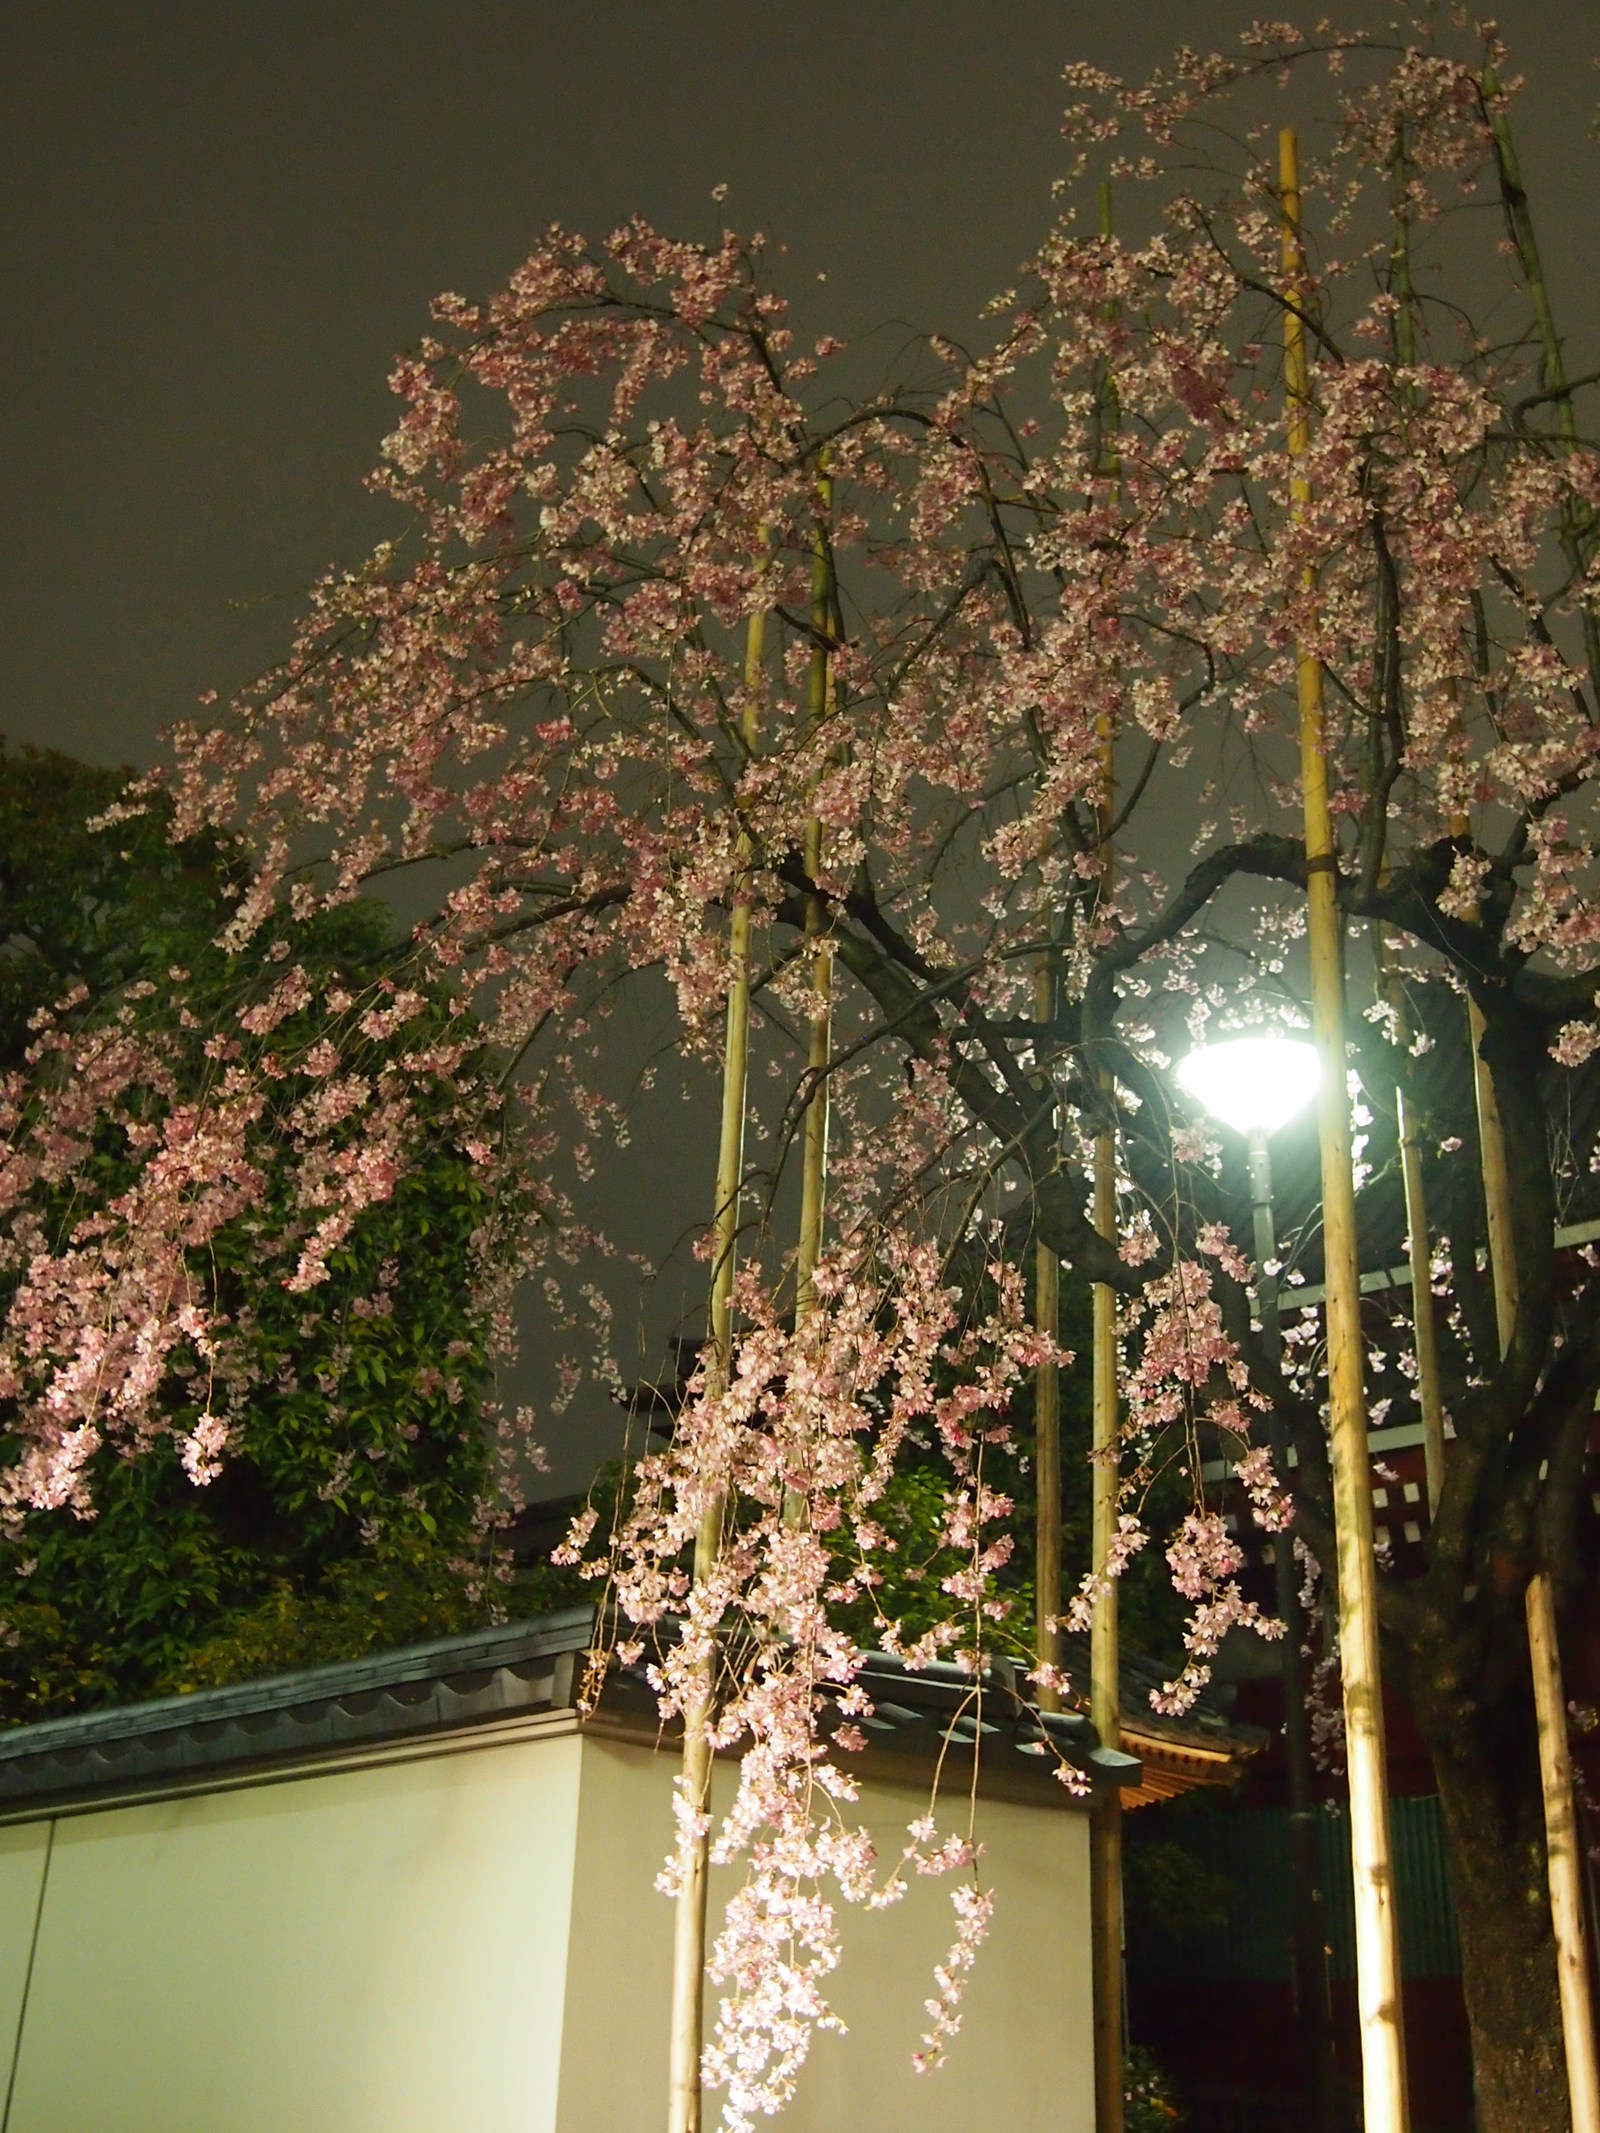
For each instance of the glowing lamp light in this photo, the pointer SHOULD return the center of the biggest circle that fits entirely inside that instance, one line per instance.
(1253, 1084)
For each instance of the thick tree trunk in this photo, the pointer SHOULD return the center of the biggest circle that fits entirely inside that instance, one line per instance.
(1494, 1826)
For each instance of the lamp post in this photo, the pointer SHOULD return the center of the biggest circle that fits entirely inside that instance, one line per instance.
(1256, 1085)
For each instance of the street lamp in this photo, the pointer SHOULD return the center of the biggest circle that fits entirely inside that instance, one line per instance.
(1253, 1084)
(1256, 1085)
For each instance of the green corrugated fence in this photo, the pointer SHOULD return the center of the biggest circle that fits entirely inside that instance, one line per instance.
(1247, 1851)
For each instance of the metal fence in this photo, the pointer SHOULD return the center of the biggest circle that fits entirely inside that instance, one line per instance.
(1247, 1850)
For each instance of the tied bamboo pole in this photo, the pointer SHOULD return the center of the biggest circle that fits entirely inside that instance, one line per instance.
(1562, 1853)
(1561, 1842)
(1563, 1861)
(1308, 1913)
(1383, 2068)
(1577, 518)
(1424, 1335)
(814, 1147)
(814, 1171)
(1496, 1182)
(1047, 1422)
(1105, 1685)
(1105, 1661)
(1555, 1768)
(689, 1922)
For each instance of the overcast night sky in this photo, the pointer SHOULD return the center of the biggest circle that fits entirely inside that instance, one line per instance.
(222, 220)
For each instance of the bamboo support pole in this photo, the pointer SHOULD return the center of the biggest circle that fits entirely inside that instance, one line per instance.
(1492, 1159)
(1563, 1851)
(1401, 285)
(1560, 1812)
(814, 1168)
(1047, 1424)
(1577, 518)
(814, 1145)
(1105, 1685)
(689, 1922)
(1308, 1911)
(1562, 1848)
(1555, 1765)
(1496, 1184)
(1544, 1658)
(1105, 1705)
(1383, 2067)
(1424, 1333)
(1552, 365)
(1105, 1658)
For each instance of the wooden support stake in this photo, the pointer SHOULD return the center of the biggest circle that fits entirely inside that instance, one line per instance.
(1308, 1920)
(1105, 1690)
(1105, 1658)
(1563, 1853)
(1492, 1159)
(1383, 2064)
(1424, 1335)
(814, 1170)
(1561, 1844)
(1496, 1184)
(1105, 1665)
(814, 1148)
(1560, 1813)
(689, 1922)
(1047, 1424)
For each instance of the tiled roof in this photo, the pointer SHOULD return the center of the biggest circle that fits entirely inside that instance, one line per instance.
(488, 1674)
(521, 1669)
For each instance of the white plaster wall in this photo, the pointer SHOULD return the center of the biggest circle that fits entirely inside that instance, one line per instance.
(471, 1943)
(379, 1950)
(22, 1857)
(1024, 2058)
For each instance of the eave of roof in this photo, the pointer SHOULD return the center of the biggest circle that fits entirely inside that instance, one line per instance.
(528, 1671)
(494, 1674)
(1168, 1768)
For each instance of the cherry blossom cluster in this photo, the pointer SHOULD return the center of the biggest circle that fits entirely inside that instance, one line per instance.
(160, 1171)
(793, 1455)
